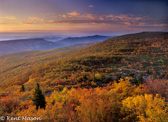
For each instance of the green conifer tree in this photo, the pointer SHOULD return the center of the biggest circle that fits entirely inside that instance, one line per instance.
(39, 98)
(140, 79)
(22, 88)
(118, 78)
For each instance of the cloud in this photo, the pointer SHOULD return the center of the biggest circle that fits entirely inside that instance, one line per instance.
(73, 14)
(127, 23)
(102, 22)
(68, 21)
(70, 15)
(90, 16)
(71, 21)
(64, 16)
(75, 17)
(9, 20)
(90, 6)
(26, 23)
(36, 19)
(101, 18)
(109, 15)
(10, 17)
(126, 19)
(122, 19)
(32, 21)
(78, 15)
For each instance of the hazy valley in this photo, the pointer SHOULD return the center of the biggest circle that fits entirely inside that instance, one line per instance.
(30, 44)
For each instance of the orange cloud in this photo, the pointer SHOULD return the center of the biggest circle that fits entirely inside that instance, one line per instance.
(101, 18)
(90, 6)
(127, 23)
(125, 19)
(27, 23)
(73, 14)
(59, 22)
(36, 19)
(90, 16)
(10, 17)
(78, 15)
(64, 16)
(109, 15)
(8, 20)
(76, 19)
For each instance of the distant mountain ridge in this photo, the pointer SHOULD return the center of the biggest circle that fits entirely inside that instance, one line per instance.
(85, 39)
(20, 45)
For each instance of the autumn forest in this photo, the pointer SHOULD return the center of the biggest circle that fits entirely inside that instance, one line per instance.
(121, 79)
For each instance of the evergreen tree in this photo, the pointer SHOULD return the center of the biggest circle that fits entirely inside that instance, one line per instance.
(118, 78)
(39, 98)
(22, 88)
(140, 79)
(136, 81)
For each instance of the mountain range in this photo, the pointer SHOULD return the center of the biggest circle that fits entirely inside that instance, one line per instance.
(20, 45)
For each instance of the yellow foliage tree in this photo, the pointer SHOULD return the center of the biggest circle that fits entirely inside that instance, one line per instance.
(99, 105)
(146, 108)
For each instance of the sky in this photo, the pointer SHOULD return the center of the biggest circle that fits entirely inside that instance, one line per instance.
(108, 17)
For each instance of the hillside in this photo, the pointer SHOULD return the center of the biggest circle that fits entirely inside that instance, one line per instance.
(134, 41)
(14, 66)
(148, 49)
(120, 79)
(145, 53)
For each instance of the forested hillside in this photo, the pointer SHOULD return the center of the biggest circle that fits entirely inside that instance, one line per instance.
(124, 78)
(15, 67)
